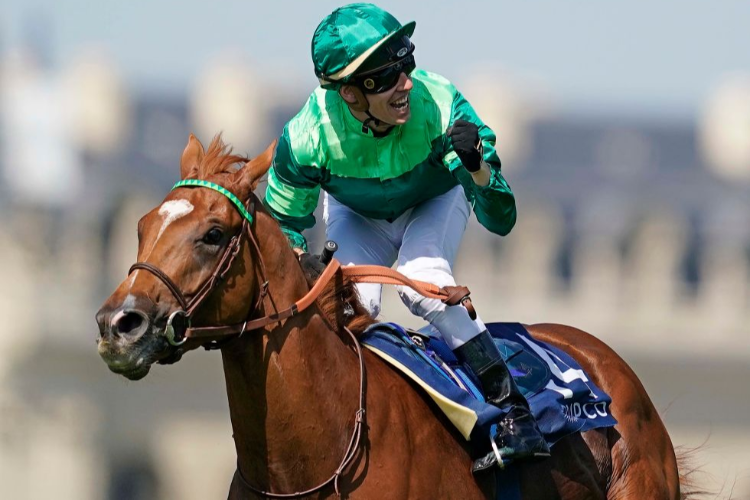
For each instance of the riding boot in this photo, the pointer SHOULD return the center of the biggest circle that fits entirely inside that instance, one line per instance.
(518, 436)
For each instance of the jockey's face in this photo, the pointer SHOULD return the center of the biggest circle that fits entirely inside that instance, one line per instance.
(393, 106)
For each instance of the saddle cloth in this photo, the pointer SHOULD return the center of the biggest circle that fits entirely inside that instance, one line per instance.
(561, 396)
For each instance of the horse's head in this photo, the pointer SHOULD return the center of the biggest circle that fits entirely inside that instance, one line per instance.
(181, 244)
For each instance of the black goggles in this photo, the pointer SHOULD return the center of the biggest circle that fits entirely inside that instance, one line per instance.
(380, 80)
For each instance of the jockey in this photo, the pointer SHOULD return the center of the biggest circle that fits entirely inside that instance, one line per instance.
(402, 158)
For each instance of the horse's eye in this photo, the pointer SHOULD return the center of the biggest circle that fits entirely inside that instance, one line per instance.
(213, 237)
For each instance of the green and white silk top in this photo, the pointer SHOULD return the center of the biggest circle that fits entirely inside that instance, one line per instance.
(381, 177)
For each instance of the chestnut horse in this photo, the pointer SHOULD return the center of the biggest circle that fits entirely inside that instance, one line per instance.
(293, 384)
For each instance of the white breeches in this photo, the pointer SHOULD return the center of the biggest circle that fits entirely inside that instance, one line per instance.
(424, 240)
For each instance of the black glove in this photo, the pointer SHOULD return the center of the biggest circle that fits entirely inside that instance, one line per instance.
(311, 266)
(466, 144)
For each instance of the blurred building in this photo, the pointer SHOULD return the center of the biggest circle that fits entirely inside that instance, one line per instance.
(637, 231)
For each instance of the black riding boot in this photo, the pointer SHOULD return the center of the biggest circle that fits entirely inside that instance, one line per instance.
(518, 437)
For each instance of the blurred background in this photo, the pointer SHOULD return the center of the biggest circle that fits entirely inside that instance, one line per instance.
(624, 129)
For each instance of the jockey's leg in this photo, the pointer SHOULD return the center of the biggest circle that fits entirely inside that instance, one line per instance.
(429, 248)
(517, 436)
(361, 241)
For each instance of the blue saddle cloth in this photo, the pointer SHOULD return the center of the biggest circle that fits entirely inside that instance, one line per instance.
(561, 396)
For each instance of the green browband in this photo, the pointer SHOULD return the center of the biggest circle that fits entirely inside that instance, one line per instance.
(210, 185)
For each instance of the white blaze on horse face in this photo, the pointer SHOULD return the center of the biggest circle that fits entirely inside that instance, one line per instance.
(170, 212)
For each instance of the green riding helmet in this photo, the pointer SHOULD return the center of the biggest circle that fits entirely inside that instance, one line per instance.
(357, 39)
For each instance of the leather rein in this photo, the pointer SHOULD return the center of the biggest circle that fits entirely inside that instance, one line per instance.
(178, 329)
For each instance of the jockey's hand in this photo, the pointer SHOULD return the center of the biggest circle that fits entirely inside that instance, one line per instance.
(466, 144)
(311, 266)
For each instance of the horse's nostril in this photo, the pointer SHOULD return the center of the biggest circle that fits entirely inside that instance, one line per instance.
(130, 323)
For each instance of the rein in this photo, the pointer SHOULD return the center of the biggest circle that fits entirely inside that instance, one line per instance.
(359, 421)
(179, 331)
(178, 337)
(450, 295)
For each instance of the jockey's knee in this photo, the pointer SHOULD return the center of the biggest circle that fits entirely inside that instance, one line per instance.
(429, 269)
(418, 304)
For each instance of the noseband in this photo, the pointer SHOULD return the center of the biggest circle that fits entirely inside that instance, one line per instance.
(178, 329)
(190, 306)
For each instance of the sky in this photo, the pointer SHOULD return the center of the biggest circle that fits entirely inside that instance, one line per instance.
(658, 57)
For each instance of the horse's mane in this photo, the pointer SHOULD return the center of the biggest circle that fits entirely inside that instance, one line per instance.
(340, 305)
(219, 159)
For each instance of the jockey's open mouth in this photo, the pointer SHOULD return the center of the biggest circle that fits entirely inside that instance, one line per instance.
(401, 104)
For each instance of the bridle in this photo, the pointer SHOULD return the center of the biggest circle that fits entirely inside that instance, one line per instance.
(188, 307)
(181, 318)
(178, 328)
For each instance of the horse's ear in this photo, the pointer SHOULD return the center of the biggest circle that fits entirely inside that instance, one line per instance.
(192, 157)
(256, 168)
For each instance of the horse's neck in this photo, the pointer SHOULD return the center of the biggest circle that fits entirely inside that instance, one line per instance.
(292, 389)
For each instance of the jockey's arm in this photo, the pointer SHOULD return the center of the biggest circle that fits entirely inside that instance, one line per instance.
(494, 204)
(482, 176)
(486, 188)
(292, 194)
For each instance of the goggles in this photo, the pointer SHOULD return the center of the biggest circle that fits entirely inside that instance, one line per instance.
(384, 79)
(389, 62)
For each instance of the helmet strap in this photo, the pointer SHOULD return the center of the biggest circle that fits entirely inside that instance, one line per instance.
(366, 124)
(363, 105)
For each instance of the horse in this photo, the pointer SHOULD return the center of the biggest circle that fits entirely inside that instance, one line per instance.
(214, 260)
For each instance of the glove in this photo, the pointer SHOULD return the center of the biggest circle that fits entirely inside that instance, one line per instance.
(466, 144)
(311, 266)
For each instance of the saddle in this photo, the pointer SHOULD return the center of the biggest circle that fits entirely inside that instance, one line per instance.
(561, 396)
